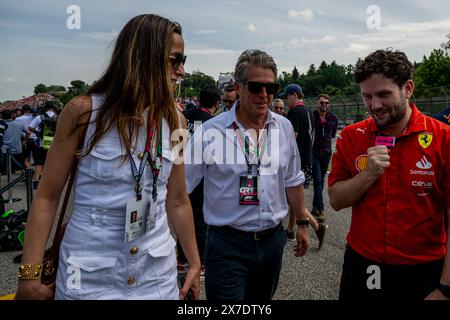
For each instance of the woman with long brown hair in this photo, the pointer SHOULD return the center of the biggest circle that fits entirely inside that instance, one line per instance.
(118, 244)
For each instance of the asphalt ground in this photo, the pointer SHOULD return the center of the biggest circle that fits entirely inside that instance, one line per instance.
(315, 276)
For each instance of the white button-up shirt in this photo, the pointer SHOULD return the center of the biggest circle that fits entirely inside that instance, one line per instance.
(215, 154)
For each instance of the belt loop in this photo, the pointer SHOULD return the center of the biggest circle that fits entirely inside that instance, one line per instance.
(93, 216)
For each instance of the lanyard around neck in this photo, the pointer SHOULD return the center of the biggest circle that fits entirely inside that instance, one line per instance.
(137, 174)
(155, 163)
(260, 146)
(155, 157)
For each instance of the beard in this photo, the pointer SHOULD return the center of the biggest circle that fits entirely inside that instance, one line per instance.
(392, 114)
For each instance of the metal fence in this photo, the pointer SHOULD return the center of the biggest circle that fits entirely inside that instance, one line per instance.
(350, 109)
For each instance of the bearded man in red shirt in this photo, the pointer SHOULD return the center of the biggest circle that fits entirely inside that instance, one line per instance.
(393, 169)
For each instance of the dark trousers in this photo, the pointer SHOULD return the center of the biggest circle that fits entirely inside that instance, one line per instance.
(16, 163)
(397, 282)
(238, 267)
(319, 171)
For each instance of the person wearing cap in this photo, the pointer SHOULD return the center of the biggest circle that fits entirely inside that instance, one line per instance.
(393, 169)
(302, 119)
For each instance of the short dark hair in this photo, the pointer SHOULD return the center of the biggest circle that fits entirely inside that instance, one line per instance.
(391, 64)
(26, 108)
(49, 105)
(7, 114)
(230, 87)
(323, 95)
(209, 96)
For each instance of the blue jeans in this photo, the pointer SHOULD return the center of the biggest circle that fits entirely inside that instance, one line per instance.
(319, 171)
(239, 267)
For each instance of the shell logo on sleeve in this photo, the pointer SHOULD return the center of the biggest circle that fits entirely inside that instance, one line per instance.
(361, 162)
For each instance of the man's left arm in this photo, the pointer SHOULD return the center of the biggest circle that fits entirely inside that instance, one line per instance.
(445, 275)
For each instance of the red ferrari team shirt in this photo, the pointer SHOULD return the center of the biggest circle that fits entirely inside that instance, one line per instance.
(400, 219)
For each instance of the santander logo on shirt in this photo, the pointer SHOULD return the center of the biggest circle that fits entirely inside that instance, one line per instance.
(424, 163)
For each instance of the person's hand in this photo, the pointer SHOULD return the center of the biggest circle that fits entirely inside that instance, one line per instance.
(34, 290)
(436, 295)
(378, 160)
(302, 245)
(192, 282)
(179, 107)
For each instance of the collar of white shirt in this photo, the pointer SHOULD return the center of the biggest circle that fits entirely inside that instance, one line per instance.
(231, 117)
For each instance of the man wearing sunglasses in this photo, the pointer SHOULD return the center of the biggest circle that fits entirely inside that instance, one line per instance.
(245, 198)
(326, 126)
(278, 106)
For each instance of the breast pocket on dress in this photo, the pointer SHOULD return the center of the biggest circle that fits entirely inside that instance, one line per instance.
(88, 277)
(166, 165)
(108, 161)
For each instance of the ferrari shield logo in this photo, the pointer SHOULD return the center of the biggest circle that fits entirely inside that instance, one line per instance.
(425, 139)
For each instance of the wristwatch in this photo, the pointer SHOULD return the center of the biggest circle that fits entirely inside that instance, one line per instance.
(444, 289)
(301, 222)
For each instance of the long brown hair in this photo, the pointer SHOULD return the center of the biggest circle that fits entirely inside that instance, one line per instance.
(137, 79)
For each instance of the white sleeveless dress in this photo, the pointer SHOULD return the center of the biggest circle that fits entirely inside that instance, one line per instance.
(94, 261)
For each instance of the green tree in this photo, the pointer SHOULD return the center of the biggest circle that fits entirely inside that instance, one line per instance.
(40, 88)
(433, 72)
(191, 84)
(295, 74)
(77, 88)
(446, 45)
(311, 71)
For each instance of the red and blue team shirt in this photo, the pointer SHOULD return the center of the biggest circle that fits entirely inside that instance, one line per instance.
(400, 219)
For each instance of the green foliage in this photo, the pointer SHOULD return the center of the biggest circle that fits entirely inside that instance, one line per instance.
(446, 45)
(191, 84)
(77, 88)
(332, 79)
(433, 72)
(42, 88)
(295, 74)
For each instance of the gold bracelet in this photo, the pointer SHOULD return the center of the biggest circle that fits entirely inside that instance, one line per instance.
(30, 271)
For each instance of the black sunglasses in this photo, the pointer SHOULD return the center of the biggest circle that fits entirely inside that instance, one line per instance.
(177, 59)
(256, 87)
(324, 103)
